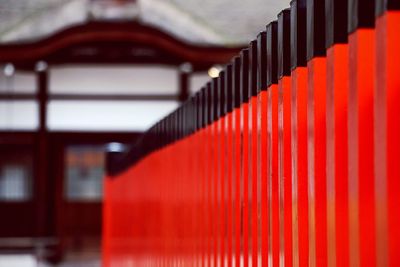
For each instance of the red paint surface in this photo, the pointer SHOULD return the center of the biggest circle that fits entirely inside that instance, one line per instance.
(264, 177)
(337, 165)
(286, 117)
(210, 214)
(237, 187)
(317, 160)
(387, 143)
(215, 180)
(230, 193)
(273, 91)
(393, 133)
(201, 176)
(300, 150)
(245, 183)
(253, 237)
(222, 198)
(361, 45)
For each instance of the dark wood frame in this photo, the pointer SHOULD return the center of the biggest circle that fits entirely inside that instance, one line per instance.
(115, 43)
(91, 43)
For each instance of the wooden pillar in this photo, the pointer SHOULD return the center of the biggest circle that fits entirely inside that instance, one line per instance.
(41, 162)
(184, 75)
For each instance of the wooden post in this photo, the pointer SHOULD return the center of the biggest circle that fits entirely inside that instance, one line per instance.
(42, 153)
(184, 75)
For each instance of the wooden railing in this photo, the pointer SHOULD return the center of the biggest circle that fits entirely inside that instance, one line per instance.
(289, 158)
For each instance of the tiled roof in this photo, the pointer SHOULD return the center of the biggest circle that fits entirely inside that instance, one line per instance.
(223, 22)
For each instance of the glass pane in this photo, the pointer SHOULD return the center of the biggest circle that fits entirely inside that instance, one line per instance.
(18, 260)
(84, 173)
(107, 115)
(19, 82)
(19, 115)
(15, 175)
(114, 80)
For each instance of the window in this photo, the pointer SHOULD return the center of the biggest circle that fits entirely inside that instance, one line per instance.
(20, 260)
(19, 115)
(106, 115)
(105, 80)
(15, 175)
(84, 172)
(17, 82)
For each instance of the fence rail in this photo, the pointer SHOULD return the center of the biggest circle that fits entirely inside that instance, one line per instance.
(289, 158)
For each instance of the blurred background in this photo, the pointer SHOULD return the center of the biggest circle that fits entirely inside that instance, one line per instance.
(82, 77)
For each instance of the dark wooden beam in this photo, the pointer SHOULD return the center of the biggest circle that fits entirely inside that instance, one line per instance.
(22, 96)
(115, 42)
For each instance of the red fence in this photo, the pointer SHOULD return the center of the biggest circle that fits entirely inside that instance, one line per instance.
(289, 158)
